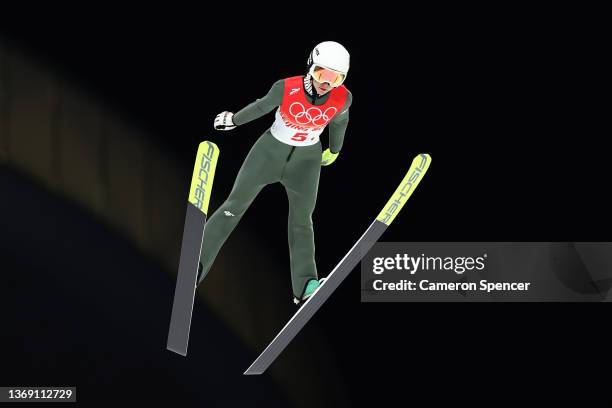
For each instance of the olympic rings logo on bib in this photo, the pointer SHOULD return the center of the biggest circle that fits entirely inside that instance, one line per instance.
(312, 115)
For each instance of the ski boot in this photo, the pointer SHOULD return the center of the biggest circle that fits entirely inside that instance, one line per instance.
(310, 290)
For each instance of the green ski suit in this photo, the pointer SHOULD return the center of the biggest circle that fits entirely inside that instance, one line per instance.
(270, 161)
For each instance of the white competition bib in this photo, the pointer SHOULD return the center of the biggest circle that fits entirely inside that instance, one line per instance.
(293, 135)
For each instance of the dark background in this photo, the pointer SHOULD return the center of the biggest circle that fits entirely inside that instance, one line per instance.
(504, 101)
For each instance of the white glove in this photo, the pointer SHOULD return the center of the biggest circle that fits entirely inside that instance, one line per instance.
(223, 121)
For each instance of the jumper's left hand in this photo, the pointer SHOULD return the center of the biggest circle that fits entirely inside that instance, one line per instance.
(328, 157)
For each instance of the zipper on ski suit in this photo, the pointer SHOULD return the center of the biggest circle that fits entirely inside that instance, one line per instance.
(290, 153)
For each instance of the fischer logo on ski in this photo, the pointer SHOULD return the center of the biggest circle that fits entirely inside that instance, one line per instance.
(203, 175)
(405, 189)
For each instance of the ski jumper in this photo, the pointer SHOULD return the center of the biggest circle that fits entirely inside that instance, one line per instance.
(288, 153)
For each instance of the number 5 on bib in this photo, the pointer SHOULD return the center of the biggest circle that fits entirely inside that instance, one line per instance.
(299, 137)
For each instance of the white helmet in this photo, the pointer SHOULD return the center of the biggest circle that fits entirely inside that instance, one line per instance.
(332, 56)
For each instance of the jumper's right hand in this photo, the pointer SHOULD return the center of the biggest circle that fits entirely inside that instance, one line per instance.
(223, 121)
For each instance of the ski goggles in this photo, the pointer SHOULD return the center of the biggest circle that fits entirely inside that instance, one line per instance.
(321, 74)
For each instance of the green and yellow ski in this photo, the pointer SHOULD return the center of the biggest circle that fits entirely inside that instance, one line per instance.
(193, 233)
(419, 166)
